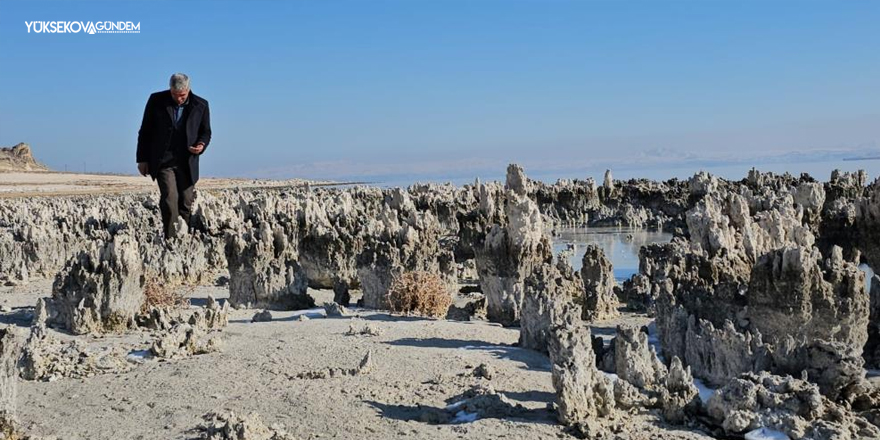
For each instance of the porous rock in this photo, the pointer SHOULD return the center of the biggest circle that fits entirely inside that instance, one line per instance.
(600, 302)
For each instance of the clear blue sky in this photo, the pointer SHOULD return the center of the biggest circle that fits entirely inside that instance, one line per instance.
(382, 89)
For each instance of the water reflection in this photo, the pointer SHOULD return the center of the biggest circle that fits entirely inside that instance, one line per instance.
(869, 274)
(621, 245)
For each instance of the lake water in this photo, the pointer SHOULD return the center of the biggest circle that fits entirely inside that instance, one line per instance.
(621, 245)
(869, 275)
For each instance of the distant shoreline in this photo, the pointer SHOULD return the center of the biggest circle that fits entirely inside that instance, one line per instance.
(15, 184)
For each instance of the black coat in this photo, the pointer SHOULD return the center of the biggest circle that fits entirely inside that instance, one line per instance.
(156, 128)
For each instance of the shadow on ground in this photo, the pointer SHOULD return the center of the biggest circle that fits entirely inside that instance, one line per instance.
(532, 359)
(457, 412)
(21, 317)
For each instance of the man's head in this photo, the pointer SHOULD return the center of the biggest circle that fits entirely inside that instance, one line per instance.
(179, 85)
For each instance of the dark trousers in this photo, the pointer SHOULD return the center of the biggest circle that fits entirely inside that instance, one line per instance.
(175, 197)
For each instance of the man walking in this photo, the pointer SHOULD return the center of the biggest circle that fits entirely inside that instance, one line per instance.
(175, 131)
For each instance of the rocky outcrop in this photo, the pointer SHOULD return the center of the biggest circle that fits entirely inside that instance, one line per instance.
(211, 317)
(398, 241)
(679, 397)
(228, 426)
(760, 277)
(793, 293)
(184, 340)
(702, 184)
(548, 292)
(638, 203)
(19, 158)
(599, 302)
(792, 406)
(872, 347)
(101, 289)
(816, 311)
(642, 380)
(264, 272)
(38, 236)
(584, 395)
(635, 361)
(512, 251)
(868, 225)
(46, 358)
(331, 236)
(717, 354)
(749, 292)
(479, 402)
(9, 354)
(638, 294)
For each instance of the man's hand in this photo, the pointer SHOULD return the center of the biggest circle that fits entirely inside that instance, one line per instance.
(143, 168)
(197, 148)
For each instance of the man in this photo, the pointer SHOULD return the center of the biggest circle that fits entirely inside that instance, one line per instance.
(175, 131)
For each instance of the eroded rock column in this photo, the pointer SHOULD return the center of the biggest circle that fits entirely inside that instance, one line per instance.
(510, 252)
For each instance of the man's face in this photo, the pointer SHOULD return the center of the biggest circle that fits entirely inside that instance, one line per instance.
(179, 96)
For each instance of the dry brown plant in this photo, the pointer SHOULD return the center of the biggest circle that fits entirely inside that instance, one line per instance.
(421, 293)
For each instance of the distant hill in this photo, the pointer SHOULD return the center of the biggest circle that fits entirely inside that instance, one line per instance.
(19, 158)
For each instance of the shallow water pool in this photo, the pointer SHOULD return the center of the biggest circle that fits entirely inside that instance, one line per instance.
(620, 244)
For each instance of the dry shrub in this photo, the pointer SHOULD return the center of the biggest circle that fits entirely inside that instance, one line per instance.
(160, 294)
(422, 293)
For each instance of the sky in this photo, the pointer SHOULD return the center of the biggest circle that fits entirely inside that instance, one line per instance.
(435, 89)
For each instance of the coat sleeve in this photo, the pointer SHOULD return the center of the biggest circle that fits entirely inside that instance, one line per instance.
(143, 143)
(205, 128)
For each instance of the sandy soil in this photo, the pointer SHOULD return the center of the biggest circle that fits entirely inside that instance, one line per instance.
(22, 184)
(419, 364)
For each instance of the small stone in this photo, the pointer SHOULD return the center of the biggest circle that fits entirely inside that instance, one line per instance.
(333, 309)
(264, 316)
(485, 371)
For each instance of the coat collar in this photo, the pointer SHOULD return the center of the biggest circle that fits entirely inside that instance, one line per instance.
(192, 100)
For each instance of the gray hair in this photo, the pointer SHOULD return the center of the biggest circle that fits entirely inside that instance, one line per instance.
(179, 82)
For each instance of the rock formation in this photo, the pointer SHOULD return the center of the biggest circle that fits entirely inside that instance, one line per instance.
(331, 236)
(101, 289)
(748, 291)
(264, 272)
(228, 426)
(792, 293)
(583, 394)
(211, 317)
(9, 353)
(635, 361)
(548, 291)
(184, 340)
(760, 281)
(512, 251)
(793, 406)
(19, 158)
(679, 398)
(400, 241)
(600, 302)
(872, 347)
(47, 358)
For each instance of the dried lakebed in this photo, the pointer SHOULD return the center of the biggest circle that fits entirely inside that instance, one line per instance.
(755, 318)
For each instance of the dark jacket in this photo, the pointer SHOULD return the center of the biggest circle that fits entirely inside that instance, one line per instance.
(157, 127)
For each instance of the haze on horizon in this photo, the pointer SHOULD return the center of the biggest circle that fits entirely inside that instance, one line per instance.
(386, 89)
